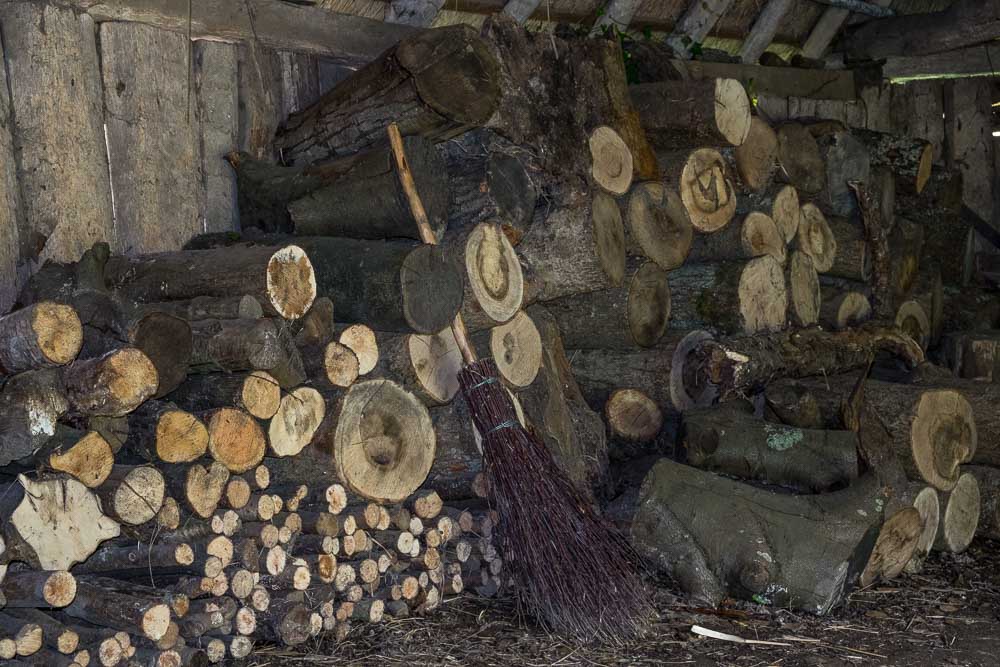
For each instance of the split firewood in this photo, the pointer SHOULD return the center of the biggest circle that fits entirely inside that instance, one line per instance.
(735, 443)
(635, 314)
(41, 335)
(333, 198)
(657, 224)
(693, 113)
(731, 297)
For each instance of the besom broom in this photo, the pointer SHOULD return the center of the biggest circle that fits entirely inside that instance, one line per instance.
(571, 570)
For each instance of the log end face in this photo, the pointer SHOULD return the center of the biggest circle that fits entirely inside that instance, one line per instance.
(155, 621)
(59, 589)
(786, 211)
(235, 439)
(659, 223)
(516, 347)
(763, 295)
(961, 516)
(732, 110)
(942, 437)
(58, 331)
(494, 272)
(756, 155)
(928, 506)
(295, 423)
(815, 238)
(609, 237)
(633, 416)
(90, 460)
(341, 364)
(687, 390)
(360, 340)
(291, 282)
(707, 191)
(611, 161)
(436, 360)
(140, 496)
(894, 546)
(432, 289)
(804, 292)
(180, 437)
(260, 394)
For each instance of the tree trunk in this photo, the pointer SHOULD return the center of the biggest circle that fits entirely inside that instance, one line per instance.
(693, 113)
(853, 260)
(799, 159)
(729, 296)
(960, 513)
(41, 335)
(53, 523)
(734, 443)
(334, 198)
(658, 225)
(256, 392)
(753, 544)
(634, 315)
(705, 186)
(489, 183)
(756, 235)
(804, 295)
(816, 239)
(843, 309)
(989, 497)
(280, 278)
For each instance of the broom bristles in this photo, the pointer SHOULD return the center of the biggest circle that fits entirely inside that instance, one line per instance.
(573, 571)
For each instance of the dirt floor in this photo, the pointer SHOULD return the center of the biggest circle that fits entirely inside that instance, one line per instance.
(949, 614)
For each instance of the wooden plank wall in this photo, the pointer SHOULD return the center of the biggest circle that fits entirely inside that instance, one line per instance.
(107, 135)
(953, 115)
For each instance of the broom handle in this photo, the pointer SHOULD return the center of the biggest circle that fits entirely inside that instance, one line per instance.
(426, 233)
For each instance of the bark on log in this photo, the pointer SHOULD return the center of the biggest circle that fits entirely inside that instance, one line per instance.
(100, 601)
(853, 260)
(909, 158)
(730, 297)
(804, 296)
(845, 158)
(658, 225)
(489, 183)
(55, 634)
(437, 84)
(160, 431)
(168, 343)
(244, 307)
(693, 113)
(815, 238)
(705, 186)
(330, 366)
(53, 523)
(41, 335)
(635, 314)
(843, 309)
(912, 320)
(799, 159)
(988, 479)
(26, 638)
(960, 512)
(280, 278)
(256, 392)
(358, 196)
(111, 385)
(34, 589)
(735, 443)
(577, 250)
(933, 429)
(756, 235)
(682, 528)
(29, 407)
(949, 242)
(905, 244)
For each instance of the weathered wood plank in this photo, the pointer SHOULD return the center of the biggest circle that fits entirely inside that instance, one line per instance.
(55, 90)
(918, 111)
(259, 77)
(299, 81)
(271, 23)
(152, 137)
(970, 142)
(826, 29)
(10, 203)
(416, 13)
(217, 94)
(781, 81)
(764, 29)
(694, 26)
(617, 14)
(974, 61)
(521, 10)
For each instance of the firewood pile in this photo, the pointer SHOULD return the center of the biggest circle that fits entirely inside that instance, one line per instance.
(257, 438)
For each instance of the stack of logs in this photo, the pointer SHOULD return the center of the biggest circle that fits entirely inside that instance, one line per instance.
(198, 454)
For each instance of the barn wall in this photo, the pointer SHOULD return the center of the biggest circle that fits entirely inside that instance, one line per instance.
(108, 135)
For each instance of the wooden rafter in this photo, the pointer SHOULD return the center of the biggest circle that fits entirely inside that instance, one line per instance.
(521, 10)
(827, 28)
(417, 13)
(699, 19)
(617, 13)
(764, 30)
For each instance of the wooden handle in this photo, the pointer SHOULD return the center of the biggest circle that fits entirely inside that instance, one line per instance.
(426, 233)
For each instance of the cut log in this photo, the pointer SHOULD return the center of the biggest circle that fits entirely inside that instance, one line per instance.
(331, 366)
(55, 634)
(756, 157)
(489, 183)
(34, 589)
(516, 347)
(257, 393)
(909, 158)
(756, 235)
(729, 296)
(198, 487)
(41, 335)
(734, 443)
(26, 638)
(804, 295)
(577, 250)
(933, 429)
(853, 260)
(237, 345)
(132, 494)
(925, 500)
(160, 431)
(281, 278)
(693, 113)
(781, 202)
(30, 405)
(912, 320)
(295, 422)
(745, 546)
(53, 523)
(949, 243)
(960, 512)
(424, 365)
(101, 602)
(111, 385)
(244, 307)
(611, 161)
(799, 159)
(383, 444)
(235, 439)
(815, 238)
(334, 198)
(446, 80)
(494, 283)
(636, 314)
(89, 459)
(361, 340)
(841, 309)
(632, 416)
(988, 479)
(845, 158)
(702, 179)
(658, 224)
(167, 341)
(928, 291)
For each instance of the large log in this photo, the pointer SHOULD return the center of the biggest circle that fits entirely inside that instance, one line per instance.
(657, 224)
(111, 385)
(693, 113)
(635, 314)
(734, 443)
(42, 335)
(53, 523)
(729, 296)
(805, 552)
(852, 260)
(338, 198)
(437, 83)
(103, 602)
(280, 277)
